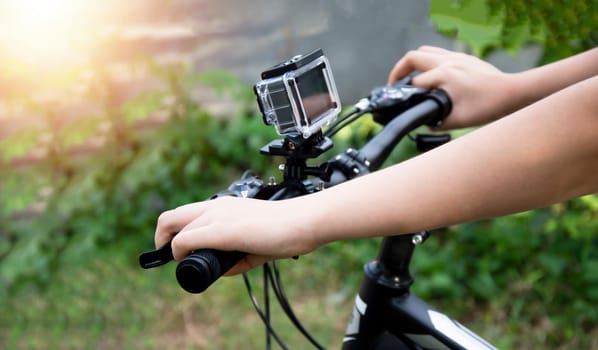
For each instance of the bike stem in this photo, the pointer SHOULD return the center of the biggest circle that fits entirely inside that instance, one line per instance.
(386, 279)
(391, 268)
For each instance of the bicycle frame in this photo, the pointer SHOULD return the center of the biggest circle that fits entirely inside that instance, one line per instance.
(385, 306)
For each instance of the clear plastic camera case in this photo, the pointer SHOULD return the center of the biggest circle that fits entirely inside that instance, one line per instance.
(301, 101)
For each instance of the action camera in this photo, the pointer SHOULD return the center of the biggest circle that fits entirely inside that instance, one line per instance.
(298, 96)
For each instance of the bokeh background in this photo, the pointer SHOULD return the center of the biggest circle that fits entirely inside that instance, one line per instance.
(112, 111)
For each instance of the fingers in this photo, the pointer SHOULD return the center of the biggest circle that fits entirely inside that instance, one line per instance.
(430, 79)
(434, 49)
(422, 59)
(413, 61)
(246, 264)
(188, 240)
(172, 221)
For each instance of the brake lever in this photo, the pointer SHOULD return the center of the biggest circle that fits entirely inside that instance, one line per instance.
(157, 257)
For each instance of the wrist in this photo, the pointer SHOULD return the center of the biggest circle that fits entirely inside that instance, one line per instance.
(303, 226)
(515, 92)
(315, 220)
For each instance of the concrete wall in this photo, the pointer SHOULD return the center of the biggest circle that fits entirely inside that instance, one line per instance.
(362, 38)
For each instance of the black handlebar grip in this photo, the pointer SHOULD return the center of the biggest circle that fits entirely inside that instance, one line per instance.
(196, 272)
(444, 106)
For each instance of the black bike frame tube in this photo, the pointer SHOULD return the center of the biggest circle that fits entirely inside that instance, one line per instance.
(413, 323)
(385, 306)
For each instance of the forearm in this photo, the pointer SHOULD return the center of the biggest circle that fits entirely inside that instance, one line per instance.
(534, 84)
(545, 153)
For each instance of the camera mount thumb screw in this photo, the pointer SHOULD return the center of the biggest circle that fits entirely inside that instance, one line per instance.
(321, 186)
(417, 239)
(271, 181)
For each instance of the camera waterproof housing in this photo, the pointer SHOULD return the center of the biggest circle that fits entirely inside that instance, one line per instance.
(298, 96)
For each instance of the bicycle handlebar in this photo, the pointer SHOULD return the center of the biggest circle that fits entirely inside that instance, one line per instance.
(430, 111)
(199, 270)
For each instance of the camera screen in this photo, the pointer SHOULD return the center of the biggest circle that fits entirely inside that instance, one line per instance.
(315, 93)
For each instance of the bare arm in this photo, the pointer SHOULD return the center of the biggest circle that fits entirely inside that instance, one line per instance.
(480, 92)
(537, 83)
(545, 153)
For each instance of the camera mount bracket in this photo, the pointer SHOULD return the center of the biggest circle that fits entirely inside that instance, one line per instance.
(296, 152)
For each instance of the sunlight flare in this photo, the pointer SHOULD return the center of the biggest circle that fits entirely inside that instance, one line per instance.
(38, 30)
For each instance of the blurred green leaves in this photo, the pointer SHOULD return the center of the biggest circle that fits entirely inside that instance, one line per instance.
(78, 204)
(561, 27)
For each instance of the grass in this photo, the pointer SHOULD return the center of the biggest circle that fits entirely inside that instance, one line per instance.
(108, 302)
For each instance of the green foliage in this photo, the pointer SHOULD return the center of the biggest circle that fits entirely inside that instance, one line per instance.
(561, 27)
(93, 203)
(537, 267)
(470, 21)
(18, 144)
(142, 105)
